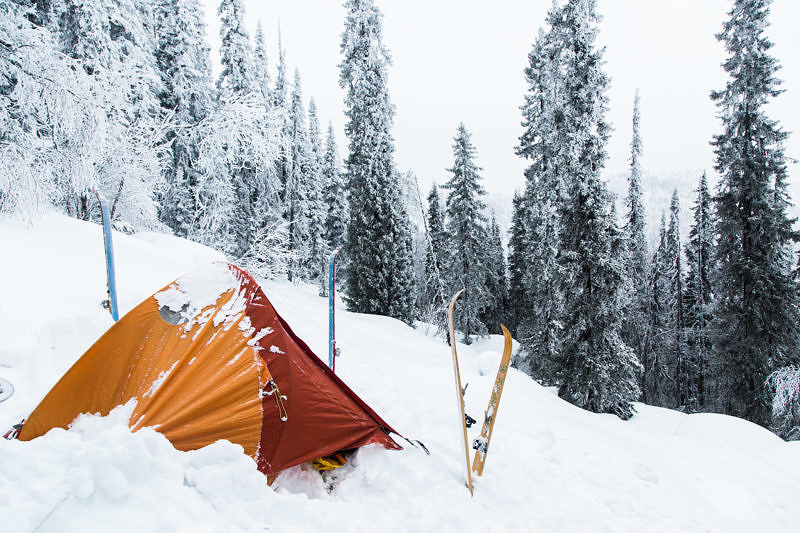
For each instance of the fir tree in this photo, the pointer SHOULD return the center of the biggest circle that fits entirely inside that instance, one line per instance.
(380, 276)
(699, 303)
(757, 303)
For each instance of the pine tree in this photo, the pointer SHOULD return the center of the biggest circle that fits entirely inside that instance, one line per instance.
(682, 396)
(183, 63)
(496, 281)
(699, 303)
(380, 276)
(635, 331)
(757, 303)
(596, 369)
(467, 237)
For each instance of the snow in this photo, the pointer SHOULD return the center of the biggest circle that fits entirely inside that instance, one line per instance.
(550, 466)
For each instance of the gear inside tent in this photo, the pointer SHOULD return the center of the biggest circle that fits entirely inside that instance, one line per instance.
(208, 358)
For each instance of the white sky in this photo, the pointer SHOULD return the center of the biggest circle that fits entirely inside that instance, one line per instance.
(463, 60)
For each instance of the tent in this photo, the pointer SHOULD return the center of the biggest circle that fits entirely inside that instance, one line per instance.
(208, 358)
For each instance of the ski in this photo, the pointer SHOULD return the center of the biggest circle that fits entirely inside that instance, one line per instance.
(481, 444)
(459, 391)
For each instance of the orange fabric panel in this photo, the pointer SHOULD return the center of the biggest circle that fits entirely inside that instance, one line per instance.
(195, 386)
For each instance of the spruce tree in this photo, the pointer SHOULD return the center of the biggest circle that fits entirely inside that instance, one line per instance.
(596, 369)
(296, 189)
(655, 375)
(699, 302)
(496, 308)
(334, 194)
(517, 266)
(683, 396)
(535, 269)
(380, 277)
(635, 331)
(261, 65)
(433, 295)
(467, 258)
(757, 303)
(188, 93)
(315, 214)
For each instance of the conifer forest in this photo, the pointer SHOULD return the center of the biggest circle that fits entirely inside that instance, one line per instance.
(118, 100)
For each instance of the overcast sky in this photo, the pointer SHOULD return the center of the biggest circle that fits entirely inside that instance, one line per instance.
(463, 60)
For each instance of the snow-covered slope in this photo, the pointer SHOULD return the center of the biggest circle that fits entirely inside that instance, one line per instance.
(551, 467)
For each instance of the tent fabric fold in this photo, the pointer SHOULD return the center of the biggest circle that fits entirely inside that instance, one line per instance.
(208, 358)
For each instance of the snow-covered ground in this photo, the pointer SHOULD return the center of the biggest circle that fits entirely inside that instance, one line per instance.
(551, 467)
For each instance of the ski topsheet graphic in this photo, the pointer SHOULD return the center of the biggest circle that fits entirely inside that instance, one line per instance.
(481, 444)
(459, 390)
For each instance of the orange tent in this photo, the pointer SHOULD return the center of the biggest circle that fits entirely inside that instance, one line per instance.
(208, 358)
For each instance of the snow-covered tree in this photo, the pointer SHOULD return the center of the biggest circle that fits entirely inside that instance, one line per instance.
(238, 76)
(699, 301)
(596, 369)
(756, 301)
(296, 189)
(496, 309)
(261, 65)
(784, 385)
(683, 396)
(318, 250)
(378, 245)
(517, 266)
(432, 297)
(187, 92)
(334, 193)
(636, 332)
(466, 258)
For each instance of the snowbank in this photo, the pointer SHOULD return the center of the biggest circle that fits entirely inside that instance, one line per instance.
(551, 467)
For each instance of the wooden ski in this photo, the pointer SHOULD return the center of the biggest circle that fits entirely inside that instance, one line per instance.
(459, 390)
(481, 444)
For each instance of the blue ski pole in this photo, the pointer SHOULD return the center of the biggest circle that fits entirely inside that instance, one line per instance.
(109, 247)
(332, 310)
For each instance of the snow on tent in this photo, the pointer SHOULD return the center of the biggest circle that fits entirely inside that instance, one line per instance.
(208, 358)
